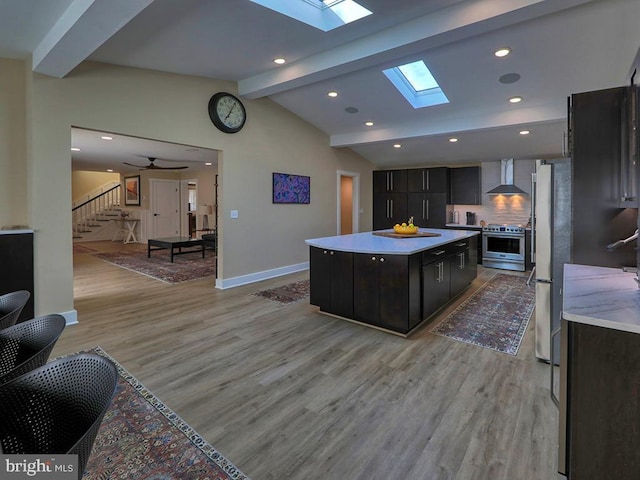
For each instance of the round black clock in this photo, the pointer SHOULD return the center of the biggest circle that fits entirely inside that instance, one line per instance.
(227, 112)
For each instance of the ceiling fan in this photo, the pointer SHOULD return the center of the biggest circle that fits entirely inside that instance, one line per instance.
(153, 166)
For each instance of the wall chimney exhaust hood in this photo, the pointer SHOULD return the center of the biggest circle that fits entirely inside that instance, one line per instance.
(506, 186)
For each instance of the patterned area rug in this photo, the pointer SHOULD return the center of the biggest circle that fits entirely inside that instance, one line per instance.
(183, 268)
(286, 294)
(142, 438)
(495, 316)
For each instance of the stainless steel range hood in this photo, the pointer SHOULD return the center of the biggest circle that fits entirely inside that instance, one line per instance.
(506, 177)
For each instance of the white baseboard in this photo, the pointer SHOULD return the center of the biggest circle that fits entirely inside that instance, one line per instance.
(224, 283)
(71, 317)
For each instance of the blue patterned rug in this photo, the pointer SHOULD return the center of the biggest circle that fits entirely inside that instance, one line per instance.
(495, 316)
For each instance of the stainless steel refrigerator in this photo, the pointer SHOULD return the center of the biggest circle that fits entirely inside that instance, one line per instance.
(551, 224)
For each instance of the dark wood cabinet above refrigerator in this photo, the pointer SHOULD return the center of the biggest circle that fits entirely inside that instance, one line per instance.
(600, 135)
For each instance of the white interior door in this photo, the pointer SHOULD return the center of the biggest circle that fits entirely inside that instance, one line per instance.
(165, 208)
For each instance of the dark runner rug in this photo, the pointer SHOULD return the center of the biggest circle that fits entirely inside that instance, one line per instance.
(286, 294)
(184, 267)
(495, 316)
(142, 438)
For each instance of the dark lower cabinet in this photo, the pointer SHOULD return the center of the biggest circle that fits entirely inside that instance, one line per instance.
(463, 265)
(331, 281)
(600, 411)
(386, 290)
(16, 265)
(435, 286)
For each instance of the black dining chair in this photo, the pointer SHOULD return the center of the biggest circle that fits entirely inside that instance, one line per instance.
(11, 305)
(27, 345)
(57, 408)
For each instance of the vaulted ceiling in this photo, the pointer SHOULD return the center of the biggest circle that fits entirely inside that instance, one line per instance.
(558, 48)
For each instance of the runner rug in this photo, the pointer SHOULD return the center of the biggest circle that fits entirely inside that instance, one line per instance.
(495, 316)
(142, 438)
(184, 267)
(286, 294)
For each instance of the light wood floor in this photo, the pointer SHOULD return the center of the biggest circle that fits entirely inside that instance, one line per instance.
(287, 393)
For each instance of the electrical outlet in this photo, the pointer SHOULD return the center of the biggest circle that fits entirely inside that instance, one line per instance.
(234, 213)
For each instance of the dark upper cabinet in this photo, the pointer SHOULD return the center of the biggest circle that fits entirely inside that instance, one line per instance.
(598, 145)
(465, 186)
(428, 180)
(389, 181)
(427, 209)
(389, 209)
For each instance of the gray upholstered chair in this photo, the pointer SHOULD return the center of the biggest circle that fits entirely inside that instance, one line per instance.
(11, 305)
(27, 345)
(57, 408)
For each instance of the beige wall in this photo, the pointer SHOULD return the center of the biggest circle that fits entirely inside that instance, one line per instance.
(13, 138)
(85, 183)
(174, 108)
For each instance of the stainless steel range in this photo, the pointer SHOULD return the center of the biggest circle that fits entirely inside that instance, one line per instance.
(503, 246)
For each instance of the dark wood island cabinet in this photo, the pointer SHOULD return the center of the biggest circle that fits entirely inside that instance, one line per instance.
(390, 283)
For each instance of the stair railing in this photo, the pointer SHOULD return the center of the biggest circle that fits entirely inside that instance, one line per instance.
(87, 213)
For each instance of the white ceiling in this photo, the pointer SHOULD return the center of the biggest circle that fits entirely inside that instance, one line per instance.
(559, 47)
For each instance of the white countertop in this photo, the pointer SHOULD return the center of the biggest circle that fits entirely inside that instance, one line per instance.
(16, 231)
(603, 297)
(368, 243)
(460, 225)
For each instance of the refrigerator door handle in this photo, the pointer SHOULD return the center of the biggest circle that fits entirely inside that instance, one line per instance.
(554, 398)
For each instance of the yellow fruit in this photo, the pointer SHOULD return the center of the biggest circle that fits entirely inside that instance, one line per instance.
(396, 225)
(411, 225)
(404, 224)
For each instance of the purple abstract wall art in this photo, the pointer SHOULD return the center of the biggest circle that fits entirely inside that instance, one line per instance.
(291, 188)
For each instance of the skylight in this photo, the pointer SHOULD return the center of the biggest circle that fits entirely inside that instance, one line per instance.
(416, 83)
(324, 15)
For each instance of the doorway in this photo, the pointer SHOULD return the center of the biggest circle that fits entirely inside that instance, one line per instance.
(348, 188)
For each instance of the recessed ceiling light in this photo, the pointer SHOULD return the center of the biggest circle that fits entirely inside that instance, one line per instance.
(369, 123)
(105, 137)
(75, 149)
(396, 145)
(279, 61)
(110, 170)
(453, 139)
(208, 164)
(524, 132)
(332, 94)
(515, 99)
(502, 52)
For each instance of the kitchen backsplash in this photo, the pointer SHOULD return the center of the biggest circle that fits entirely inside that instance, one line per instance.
(502, 208)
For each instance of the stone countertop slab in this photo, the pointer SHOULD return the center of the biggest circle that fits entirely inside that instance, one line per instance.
(603, 297)
(366, 242)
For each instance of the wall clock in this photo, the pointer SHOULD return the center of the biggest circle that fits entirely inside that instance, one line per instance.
(227, 112)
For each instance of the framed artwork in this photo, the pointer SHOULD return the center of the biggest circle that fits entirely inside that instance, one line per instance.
(132, 190)
(291, 188)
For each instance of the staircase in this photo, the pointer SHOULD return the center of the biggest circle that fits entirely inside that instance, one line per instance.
(93, 215)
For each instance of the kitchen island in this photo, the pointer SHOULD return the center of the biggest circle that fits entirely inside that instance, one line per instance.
(599, 374)
(388, 283)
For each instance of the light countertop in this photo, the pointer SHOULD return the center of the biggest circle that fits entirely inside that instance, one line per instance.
(366, 242)
(16, 231)
(603, 297)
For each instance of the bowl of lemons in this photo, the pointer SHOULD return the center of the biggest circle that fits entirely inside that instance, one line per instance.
(407, 228)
